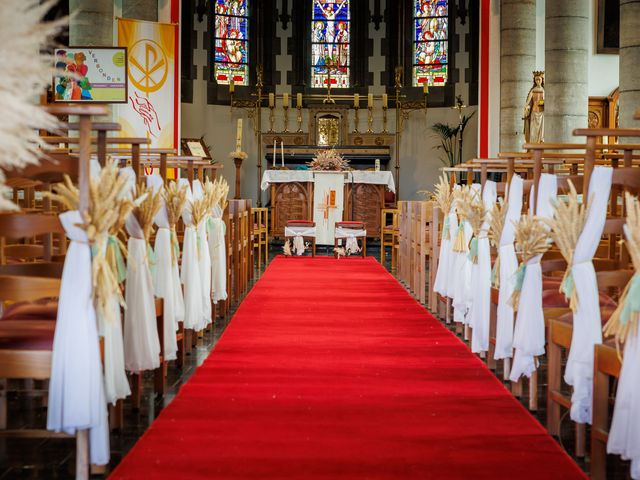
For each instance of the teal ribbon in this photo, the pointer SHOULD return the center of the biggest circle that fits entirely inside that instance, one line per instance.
(567, 286)
(520, 277)
(151, 256)
(121, 269)
(209, 225)
(175, 244)
(473, 250)
(632, 302)
(446, 229)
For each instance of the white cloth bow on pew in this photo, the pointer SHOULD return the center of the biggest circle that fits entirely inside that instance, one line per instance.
(218, 254)
(205, 260)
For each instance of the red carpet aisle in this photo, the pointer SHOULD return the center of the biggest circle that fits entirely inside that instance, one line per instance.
(329, 369)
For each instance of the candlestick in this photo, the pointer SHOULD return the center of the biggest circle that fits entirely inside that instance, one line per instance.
(356, 100)
(370, 119)
(274, 154)
(272, 100)
(239, 136)
(299, 100)
(356, 120)
(232, 86)
(299, 108)
(271, 118)
(370, 100)
(282, 151)
(286, 117)
(385, 100)
(425, 88)
(285, 100)
(384, 119)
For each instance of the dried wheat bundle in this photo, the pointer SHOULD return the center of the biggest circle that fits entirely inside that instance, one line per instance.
(532, 239)
(566, 226)
(496, 226)
(624, 320)
(462, 197)
(199, 210)
(224, 192)
(146, 209)
(475, 213)
(443, 195)
(175, 198)
(24, 39)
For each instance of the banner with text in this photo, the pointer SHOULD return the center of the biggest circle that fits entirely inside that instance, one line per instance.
(152, 109)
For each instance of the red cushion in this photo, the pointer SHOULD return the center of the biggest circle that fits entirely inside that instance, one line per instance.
(349, 223)
(44, 309)
(291, 223)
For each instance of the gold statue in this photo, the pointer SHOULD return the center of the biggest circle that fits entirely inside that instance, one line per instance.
(534, 111)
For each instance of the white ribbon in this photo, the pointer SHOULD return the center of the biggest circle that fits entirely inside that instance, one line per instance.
(141, 342)
(507, 271)
(217, 251)
(481, 278)
(76, 387)
(204, 259)
(452, 274)
(190, 274)
(298, 233)
(351, 235)
(624, 436)
(440, 282)
(587, 327)
(529, 334)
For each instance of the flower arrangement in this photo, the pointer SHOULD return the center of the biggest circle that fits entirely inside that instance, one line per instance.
(329, 160)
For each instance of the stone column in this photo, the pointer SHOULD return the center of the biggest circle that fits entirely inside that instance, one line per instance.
(93, 23)
(517, 62)
(567, 33)
(629, 62)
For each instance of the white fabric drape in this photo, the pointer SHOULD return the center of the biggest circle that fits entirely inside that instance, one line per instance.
(163, 275)
(507, 270)
(204, 258)
(115, 377)
(624, 436)
(529, 335)
(351, 235)
(481, 278)
(298, 234)
(587, 327)
(76, 387)
(440, 282)
(452, 275)
(141, 342)
(190, 272)
(218, 253)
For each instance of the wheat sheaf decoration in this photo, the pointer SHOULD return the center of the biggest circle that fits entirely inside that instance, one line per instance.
(475, 213)
(462, 197)
(175, 198)
(624, 321)
(24, 41)
(570, 216)
(146, 208)
(496, 226)
(105, 209)
(443, 196)
(532, 239)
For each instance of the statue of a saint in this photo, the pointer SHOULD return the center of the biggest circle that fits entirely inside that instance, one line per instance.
(534, 111)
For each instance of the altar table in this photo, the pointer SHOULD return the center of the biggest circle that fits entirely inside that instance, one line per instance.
(292, 197)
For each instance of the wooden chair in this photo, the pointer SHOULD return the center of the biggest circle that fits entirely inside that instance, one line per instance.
(303, 223)
(261, 234)
(351, 226)
(389, 234)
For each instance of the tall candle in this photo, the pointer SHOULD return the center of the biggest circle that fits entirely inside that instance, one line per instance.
(370, 100)
(232, 86)
(239, 136)
(356, 100)
(285, 100)
(282, 151)
(272, 100)
(385, 100)
(299, 100)
(274, 154)
(425, 87)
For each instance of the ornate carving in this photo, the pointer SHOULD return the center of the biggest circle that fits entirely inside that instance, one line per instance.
(358, 141)
(368, 200)
(594, 119)
(379, 141)
(291, 201)
(298, 141)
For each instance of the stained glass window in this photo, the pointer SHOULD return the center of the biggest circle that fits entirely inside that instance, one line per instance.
(330, 43)
(231, 39)
(431, 45)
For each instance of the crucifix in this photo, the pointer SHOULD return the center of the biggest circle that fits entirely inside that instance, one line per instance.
(328, 98)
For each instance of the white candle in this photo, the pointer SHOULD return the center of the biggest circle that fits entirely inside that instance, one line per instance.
(356, 100)
(385, 100)
(272, 100)
(232, 86)
(285, 100)
(282, 151)
(299, 100)
(239, 136)
(425, 87)
(370, 100)
(274, 154)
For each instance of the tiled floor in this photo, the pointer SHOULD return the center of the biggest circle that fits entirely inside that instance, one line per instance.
(54, 458)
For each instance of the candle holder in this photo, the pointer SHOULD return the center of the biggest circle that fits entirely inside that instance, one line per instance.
(356, 120)
(286, 118)
(370, 120)
(238, 157)
(384, 119)
(299, 119)
(271, 119)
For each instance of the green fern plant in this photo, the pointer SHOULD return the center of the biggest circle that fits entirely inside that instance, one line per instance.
(448, 137)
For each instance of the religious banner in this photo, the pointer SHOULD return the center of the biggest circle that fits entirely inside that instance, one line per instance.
(328, 204)
(152, 109)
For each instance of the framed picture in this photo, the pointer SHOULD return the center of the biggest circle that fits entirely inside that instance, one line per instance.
(196, 147)
(608, 27)
(91, 75)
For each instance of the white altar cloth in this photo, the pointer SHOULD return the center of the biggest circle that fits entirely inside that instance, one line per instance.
(355, 176)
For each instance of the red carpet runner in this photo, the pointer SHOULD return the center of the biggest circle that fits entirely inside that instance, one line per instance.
(330, 370)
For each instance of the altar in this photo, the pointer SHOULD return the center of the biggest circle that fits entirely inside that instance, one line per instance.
(292, 198)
